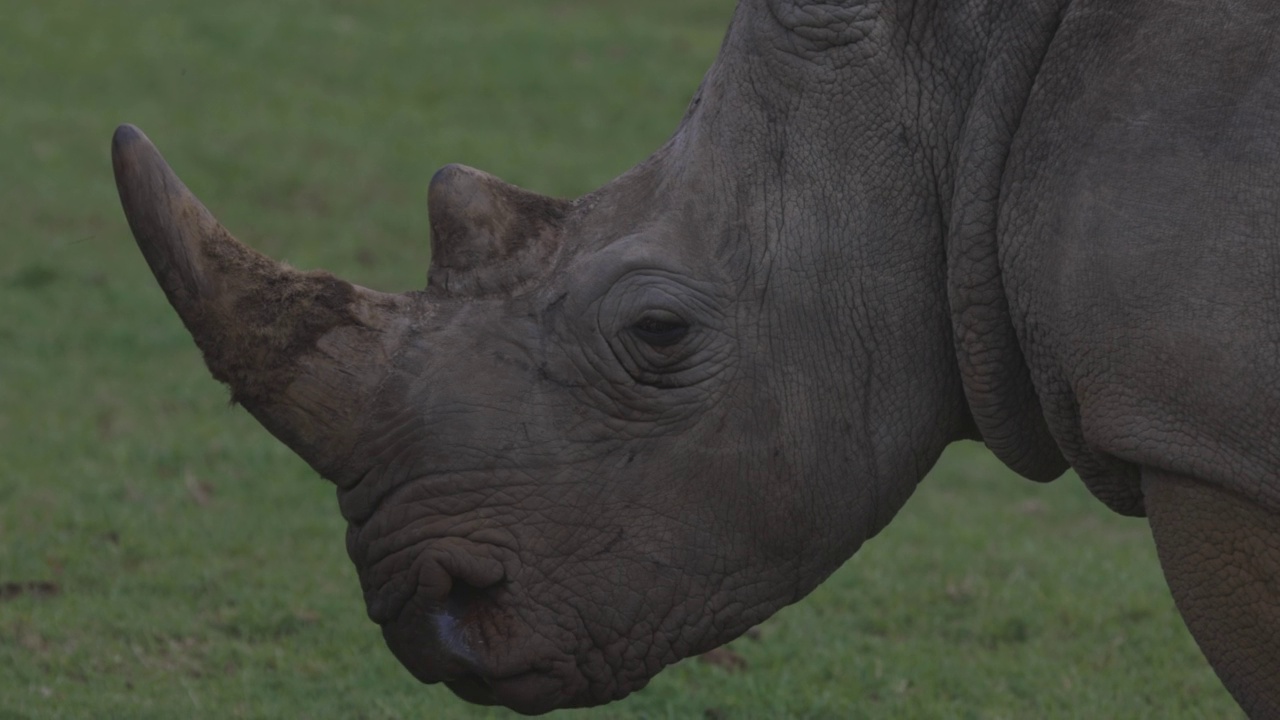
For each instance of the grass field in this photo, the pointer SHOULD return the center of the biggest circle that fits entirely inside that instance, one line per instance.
(161, 556)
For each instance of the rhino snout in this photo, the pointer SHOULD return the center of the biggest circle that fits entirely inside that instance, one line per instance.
(434, 638)
(427, 611)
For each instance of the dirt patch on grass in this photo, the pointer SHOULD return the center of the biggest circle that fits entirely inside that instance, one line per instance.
(37, 589)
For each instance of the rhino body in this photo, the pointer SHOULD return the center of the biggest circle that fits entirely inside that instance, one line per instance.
(619, 430)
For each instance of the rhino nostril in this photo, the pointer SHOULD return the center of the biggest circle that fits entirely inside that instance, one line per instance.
(463, 596)
(432, 618)
(458, 614)
(452, 638)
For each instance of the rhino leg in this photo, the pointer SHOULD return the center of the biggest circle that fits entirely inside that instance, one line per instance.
(1221, 557)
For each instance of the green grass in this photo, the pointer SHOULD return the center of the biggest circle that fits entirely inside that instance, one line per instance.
(199, 567)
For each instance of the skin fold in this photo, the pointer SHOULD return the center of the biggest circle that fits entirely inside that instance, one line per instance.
(619, 430)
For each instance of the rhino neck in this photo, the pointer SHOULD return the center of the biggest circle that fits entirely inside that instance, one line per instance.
(1002, 399)
(867, 150)
(822, 157)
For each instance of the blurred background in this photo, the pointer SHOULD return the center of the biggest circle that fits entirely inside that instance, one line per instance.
(162, 556)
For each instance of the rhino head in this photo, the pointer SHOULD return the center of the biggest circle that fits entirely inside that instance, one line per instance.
(615, 431)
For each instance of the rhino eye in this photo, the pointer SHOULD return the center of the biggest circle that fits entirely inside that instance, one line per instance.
(660, 329)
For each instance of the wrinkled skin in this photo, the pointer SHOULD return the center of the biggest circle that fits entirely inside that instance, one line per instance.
(621, 430)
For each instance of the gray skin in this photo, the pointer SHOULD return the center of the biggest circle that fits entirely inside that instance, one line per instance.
(617, 431)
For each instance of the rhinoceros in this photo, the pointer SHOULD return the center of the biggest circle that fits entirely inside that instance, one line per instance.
(619, 430)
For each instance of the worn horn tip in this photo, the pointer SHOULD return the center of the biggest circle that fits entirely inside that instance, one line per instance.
(138, 167)
(130, 147)
(124, 136)
(168, 223)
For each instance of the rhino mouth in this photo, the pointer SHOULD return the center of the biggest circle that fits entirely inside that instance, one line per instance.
(469, 644)
(455, 665)
(531, 693)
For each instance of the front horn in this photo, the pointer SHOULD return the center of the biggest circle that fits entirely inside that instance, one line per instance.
(303, 351)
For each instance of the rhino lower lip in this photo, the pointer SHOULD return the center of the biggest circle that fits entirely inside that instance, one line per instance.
(531, 693)
(473, 689)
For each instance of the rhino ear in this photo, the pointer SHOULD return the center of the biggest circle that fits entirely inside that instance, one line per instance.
(488, 236)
